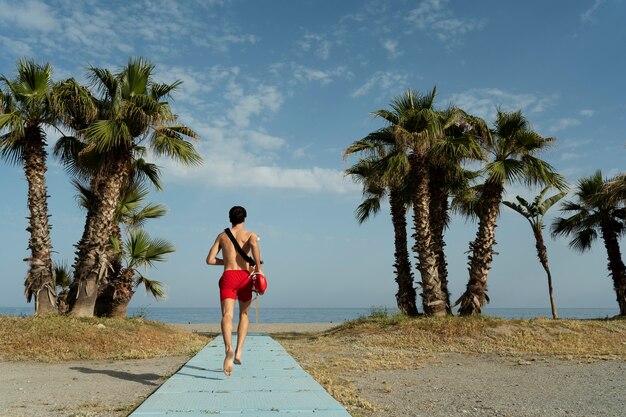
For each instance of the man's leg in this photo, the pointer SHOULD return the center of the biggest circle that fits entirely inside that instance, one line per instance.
(228, 307)
(242, 328)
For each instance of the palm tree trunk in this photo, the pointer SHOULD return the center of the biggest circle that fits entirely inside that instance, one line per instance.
(405, 297)
(616, 266)
(542, 253)
(40, 278)
(438, 222)
(433, 298)
(475, 295)
(92, 259)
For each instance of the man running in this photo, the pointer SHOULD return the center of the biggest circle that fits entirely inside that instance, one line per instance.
(235, 282)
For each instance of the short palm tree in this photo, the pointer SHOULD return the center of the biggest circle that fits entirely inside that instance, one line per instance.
(63, 282)
(594, 213)
(25, 110)
(512, 150)
(383, 175)
(534, 212)
(129, 109)
(138, 251)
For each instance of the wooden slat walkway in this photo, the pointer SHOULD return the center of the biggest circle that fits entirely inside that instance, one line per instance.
(269, 383)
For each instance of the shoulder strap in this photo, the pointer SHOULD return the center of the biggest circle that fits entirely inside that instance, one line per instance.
(241, 252)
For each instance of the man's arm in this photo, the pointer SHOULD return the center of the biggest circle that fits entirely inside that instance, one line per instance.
(256, 251)
(212, 258)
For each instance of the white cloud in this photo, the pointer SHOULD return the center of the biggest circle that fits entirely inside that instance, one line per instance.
(562, 124)
(101, 30)
(302, 73)
(320, 46)
(265, 98)
(587, 112)
(391, 46)
(434, 16)
(566, 156)
(385, 81)
(588, 15)
(31, 15)
(484, 102)
(15, 47)
(231, 162)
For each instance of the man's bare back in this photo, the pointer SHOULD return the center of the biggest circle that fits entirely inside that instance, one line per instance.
(248, 241)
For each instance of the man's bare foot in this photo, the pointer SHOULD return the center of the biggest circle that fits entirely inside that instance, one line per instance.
(237, 360)
(228, 363)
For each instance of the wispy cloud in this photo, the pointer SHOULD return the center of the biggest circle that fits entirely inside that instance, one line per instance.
(391, 46)
(484, 102)
(567, 156)
(434, 16)
(385, 82)
(15, 46)
(587, 112)
(318, 44)
(237, 150)
(588, 15)
(31, 15)
(306, 74)
(101, 30)
(562, 124)
(265, 98)
(249, 159)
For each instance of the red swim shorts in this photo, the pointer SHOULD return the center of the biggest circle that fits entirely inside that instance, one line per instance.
(236, 284)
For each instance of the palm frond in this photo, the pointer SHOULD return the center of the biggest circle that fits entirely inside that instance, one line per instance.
(153, 287)
(159, 91)
(167, 142)
(143, 170)
(108, 135)
(63, 275)
(11, 150)
(549, 202)
(369, 207)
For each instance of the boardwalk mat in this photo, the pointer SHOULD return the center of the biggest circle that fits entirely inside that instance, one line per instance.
(269, 383)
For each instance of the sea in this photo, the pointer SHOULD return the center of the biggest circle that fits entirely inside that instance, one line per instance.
(323, 315)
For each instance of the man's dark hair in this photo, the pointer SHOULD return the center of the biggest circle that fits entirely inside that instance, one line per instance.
(237, 215)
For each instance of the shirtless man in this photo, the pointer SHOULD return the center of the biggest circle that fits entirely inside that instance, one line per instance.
(235, 282)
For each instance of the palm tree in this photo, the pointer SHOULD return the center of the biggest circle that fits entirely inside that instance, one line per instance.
(463, 135)
(383, 173)
(594, 213)
(139, 250)
(417, 126)
(512, 150)
(63, 281)
(115, 294)
(130, 109)
(534, 212)
(25, 110)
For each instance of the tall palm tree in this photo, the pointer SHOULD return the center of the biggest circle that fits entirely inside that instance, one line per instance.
(534, 212)
(463, 136)
(594, 213)
(417, 126)
(130, 110)
(513, 159)
(25, 110)
(383, 175)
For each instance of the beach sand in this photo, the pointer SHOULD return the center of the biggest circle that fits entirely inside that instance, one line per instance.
(446, 384)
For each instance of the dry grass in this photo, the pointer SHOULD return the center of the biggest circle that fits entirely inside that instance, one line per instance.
(335, 357)
(62, 338)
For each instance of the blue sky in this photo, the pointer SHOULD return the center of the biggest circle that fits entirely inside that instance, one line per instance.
(277, 89)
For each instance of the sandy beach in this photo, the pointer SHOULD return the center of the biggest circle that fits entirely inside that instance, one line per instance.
(442, 385)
